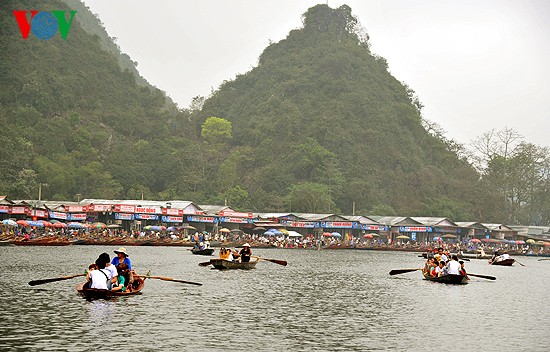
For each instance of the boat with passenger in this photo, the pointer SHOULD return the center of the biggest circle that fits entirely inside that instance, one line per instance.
(223, 264)
(93, 293)
(447, 279)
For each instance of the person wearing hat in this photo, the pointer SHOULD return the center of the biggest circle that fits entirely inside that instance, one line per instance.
(122, 257)
(245, 253)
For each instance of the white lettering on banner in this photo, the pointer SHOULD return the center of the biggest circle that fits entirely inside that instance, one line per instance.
(235, 220)
(302, 224)
(75, 208)
(172, 219)
(100, 207)
(335, 224)
(4, 209)
(201, 218)
(124, 208)
(147, 216)
(372, 227)
(145, 210)
(235, 214)
(39, 213)
(414, 229)
(171, 211)
(18, 210)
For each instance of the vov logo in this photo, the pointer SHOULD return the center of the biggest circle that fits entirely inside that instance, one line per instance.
(44, 25)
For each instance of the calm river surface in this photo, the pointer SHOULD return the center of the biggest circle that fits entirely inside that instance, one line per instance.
(339, 300)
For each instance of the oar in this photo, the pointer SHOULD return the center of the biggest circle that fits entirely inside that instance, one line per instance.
(543, 259)
(403, 271)
(205, 263)
(519, 263)
(170, 279)
(482, 276)
(276, 261)
(45, 281)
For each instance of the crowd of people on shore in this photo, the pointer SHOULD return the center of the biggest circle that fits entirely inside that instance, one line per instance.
(237, 238)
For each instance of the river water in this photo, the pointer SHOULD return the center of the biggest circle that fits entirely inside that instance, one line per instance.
(329, 300)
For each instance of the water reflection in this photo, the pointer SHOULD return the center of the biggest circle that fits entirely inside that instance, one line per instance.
(322, 301)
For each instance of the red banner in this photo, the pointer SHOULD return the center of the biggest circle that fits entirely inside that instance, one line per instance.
(4, 209)
(234, 214)
(18, 210)
(123, 208)
(100, 207)
(76, 208)
(170, 211)
(147, 210)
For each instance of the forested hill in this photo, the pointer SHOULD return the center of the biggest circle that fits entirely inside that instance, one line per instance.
(317, 126)
(321, 114)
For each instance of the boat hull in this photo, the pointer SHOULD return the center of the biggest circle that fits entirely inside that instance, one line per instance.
(93, 293)
(505, 262)
(228, 265)
(207, 251)
(448, 279)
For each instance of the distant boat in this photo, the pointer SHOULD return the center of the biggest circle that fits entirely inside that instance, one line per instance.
(505, 262)
(206, 251)
(226, 264)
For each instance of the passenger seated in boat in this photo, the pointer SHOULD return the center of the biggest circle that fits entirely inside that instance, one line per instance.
(505, 256)
(99, 278)
(122, 257)
(462, 270)
(453, 266)
(433, 268)
(245, 253)
(440, 270)
(104, 257)
(224, 253)
(123, 278)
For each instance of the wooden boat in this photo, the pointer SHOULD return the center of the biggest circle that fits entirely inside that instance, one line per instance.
(206, 251)
(505, 262)
(448, 279)
(226, 264)
(94, 293)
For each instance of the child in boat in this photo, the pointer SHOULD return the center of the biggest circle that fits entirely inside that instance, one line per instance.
(123, 278)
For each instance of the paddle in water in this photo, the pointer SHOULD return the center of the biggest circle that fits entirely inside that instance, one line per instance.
(46, 281)
(170, 279)
(403, 271)
(276, 261)
(482, 276)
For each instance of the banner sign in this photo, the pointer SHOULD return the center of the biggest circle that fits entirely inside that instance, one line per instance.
(193, 218)
(76, 208)
(122, 216)
(77, 216)
(236, 220)
(4, 209)
(170, 211)
(39, 213)
(18, 210)
(337, 224)
(58, 215)
(300, 224)
(415, 229)
(100, 207)
(147, 217)
(165, 218)
(234, 214)
(123, 208)
(148, 210)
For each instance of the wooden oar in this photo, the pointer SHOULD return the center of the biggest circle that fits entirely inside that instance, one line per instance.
(45, 281)
(544, 259)
(276, 261)
(170, 279)
(519, 263)
(403, 271)
(482, 276)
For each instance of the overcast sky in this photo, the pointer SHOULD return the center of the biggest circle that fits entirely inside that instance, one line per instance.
(475, 64)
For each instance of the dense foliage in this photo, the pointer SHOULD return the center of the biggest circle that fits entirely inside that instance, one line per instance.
(320, 125)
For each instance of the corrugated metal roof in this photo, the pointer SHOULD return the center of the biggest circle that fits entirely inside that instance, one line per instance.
(174, 204)
(361, 219)
(210, 209)
(433, 221)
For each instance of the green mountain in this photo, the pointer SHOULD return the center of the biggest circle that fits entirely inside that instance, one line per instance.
(321, 111)
(318, 126)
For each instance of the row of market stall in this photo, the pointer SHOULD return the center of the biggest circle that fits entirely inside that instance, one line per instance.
(179, 215)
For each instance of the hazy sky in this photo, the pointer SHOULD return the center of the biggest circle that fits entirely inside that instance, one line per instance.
(475, 64)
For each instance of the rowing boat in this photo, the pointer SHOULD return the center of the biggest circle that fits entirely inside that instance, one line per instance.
(226, 264)
(206, 251)
(505, 262)
(448, 279)
(93, 293)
